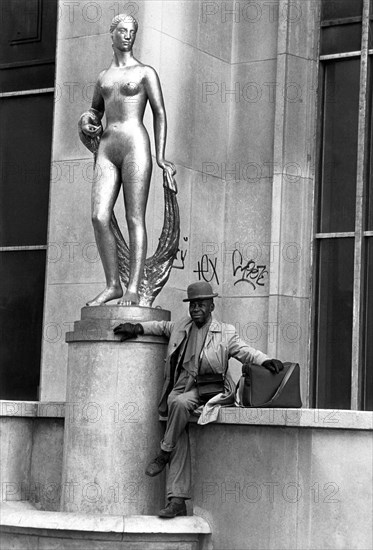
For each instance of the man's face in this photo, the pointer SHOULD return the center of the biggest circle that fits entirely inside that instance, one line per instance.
(200, 310)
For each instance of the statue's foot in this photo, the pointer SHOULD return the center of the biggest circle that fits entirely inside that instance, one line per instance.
(110, 293)
(129, 299)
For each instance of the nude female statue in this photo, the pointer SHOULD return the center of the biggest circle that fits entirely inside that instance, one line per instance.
(124, 156)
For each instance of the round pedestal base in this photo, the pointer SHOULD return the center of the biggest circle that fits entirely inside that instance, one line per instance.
(112, 429)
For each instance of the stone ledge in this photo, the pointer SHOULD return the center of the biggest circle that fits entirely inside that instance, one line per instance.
(299, 418)
(97, 323)
(90, 333)
(19, 515)
(125, 313)
(296, 418)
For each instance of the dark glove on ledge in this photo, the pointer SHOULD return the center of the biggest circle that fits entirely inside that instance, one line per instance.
(274, 365)
(128, 330)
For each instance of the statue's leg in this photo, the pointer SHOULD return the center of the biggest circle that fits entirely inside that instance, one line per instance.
(136, 174)
(105, 189)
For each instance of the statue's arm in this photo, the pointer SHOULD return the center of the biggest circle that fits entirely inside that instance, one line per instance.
(91, 119)
(155, 96)
(154, 92)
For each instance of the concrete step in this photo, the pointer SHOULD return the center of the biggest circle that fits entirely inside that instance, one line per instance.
(23, 528)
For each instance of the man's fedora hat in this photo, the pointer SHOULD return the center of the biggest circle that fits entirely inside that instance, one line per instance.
(200, 291)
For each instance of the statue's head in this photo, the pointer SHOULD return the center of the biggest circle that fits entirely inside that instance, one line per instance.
(123, 31)
(123, 17)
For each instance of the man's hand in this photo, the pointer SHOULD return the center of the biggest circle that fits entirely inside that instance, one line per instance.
(128, 330)
(274, 365)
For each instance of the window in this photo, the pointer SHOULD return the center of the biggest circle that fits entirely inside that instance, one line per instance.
(343, 355)
(27, 52)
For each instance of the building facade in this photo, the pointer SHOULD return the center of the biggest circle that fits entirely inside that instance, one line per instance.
(269, 125)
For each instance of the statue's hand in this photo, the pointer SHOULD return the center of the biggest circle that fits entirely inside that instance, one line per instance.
(169, 170)
(91, 130)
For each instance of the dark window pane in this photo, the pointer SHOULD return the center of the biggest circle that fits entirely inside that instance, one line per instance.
(340, 39)
(27, 44)
(340, 9)
(368, 302)
(25, 153)
(339, 146)
(21, 312)
(27, 78)
(369, 183)
(334, 323)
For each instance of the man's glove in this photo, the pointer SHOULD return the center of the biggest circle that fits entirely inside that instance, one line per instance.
(128, 330)
(274, 365)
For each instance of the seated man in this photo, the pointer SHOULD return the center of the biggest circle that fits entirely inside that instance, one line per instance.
(197, 345)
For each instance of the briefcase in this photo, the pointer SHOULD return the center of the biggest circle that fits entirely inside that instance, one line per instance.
(259, 387)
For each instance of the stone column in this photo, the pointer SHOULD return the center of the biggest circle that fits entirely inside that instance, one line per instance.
(112, 428)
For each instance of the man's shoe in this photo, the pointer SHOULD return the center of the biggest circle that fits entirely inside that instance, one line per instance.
(158, 464)
(174, 508)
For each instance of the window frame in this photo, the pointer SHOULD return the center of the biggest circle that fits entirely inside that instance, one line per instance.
(359, 234)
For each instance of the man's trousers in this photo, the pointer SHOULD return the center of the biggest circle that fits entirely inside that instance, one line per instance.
(176, 438)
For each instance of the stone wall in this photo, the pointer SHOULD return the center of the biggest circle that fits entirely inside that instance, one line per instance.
(268, 487)
(262, 478)
(240, 105)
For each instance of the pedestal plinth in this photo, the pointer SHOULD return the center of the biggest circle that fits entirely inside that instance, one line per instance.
(111, 428)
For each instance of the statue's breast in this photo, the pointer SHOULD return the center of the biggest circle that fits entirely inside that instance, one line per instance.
(125, 88)
(130, 88)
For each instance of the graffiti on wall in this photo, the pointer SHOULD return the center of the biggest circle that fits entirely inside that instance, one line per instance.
(179, 262)
(207, 269)
(248, 272)
(243, 269)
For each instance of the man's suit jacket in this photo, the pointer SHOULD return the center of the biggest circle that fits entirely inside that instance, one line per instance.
(222, 342)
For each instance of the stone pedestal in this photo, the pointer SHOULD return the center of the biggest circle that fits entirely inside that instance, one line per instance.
(111, 428)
